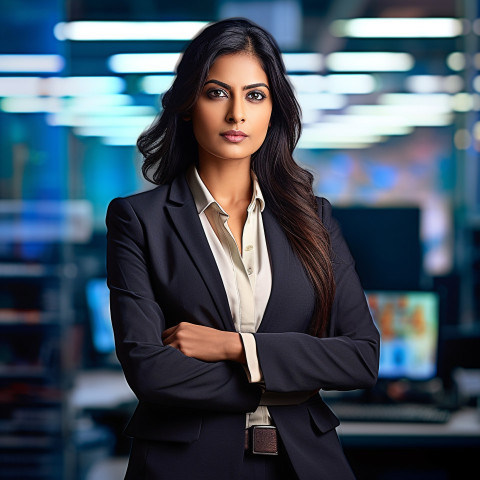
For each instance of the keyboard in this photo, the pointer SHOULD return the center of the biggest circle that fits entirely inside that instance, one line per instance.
(408, 413)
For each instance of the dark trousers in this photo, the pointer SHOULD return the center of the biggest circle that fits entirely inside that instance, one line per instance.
(267, 467)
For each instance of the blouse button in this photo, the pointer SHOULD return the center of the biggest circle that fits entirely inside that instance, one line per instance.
(249, 270)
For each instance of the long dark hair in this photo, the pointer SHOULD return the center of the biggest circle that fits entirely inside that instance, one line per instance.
(169, 147)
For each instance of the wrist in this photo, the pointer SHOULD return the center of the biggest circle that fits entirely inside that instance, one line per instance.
(234, 350)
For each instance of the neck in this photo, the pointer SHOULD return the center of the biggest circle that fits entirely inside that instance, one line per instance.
(229, 181)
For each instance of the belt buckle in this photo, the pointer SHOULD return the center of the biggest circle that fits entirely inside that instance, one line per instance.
(263, 440)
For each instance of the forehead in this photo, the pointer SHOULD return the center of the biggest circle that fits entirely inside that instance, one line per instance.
(238, 69)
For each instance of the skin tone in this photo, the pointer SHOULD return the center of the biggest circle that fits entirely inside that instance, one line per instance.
(235, 97)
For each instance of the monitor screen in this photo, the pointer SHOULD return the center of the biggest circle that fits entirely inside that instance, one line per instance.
(408, 322)
(385, 243)
(98, 301)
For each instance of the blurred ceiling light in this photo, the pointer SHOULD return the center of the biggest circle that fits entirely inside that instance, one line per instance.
(337, 83)
(143, 62)
(74, 86)
(365, 125)
(456, 61)
(462, 102)
(303, 62)
(324, 132)
(112, 30)
(31, 63)
(408, 115)
(434, 83)
(125, 141)
(398, 27)
(351, 84)
(476, 131)
(87, 102)
(476, 83)
(166, 62)
(370, 62)
(75, 120)
(20, 86)
(326, 144)
(30, 104)
(108, 131)
(60, 86)
(156, 84)
(308, 83)
(438, 101)
(321, 101)
(462, 139)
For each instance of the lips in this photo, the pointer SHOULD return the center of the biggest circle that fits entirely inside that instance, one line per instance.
(234, 136)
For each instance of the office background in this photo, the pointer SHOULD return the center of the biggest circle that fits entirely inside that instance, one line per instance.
(390, 94)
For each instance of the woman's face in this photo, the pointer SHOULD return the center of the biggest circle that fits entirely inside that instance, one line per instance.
(232, 115)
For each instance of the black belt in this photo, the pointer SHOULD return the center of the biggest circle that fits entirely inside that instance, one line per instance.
(261, 440)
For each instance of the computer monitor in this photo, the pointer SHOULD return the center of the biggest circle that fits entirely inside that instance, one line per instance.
(98, 302)
(385, 244)
(408, 322)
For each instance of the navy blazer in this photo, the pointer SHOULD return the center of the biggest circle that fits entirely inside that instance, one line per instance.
(190, 418)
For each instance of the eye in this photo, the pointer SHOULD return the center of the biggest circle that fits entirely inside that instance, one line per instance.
(217, 93)
(256, 96)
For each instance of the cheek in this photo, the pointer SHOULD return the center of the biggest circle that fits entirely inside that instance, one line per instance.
(204, 118)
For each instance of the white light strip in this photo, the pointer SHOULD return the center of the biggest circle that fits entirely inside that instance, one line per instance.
(166, 62)
(143, 62)
(409, 115)
(97, 105)
(156, 84)
(109, 131)
(31, 104)
(437, 101)
(362, 125)
(434, 83)
(336, 83)
(398, 28)
(20, 86)
(331, 132)
(120, 141)
(91, 102)
(60, 86)
(31, 63)
(118, 31)
(73, 86)
(321, 101)
(72, 120)
(337, 144)
(303, 62)
(370, 62)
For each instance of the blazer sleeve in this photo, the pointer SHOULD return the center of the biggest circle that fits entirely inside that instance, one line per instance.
(155, 372)
(345, 360)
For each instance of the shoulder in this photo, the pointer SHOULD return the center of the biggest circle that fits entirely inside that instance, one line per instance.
(341, 252)
(324, 209)
(140, 202)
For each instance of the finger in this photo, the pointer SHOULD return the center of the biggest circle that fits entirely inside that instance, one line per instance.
(168, 332)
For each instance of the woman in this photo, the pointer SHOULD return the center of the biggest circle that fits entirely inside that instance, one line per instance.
(234, 298)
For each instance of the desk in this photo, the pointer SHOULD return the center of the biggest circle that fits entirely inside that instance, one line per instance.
(376, 451)
(414, 451)
(462, 429)
(101, 390)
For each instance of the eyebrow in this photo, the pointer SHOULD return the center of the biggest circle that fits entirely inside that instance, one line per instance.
(246, 87)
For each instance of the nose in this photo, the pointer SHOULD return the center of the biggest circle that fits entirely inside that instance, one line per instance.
(235, 113)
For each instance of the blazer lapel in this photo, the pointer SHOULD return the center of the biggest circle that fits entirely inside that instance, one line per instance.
(183, 213)
(278, 247)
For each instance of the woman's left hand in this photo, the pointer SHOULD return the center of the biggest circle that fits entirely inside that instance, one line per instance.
(205, 343)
